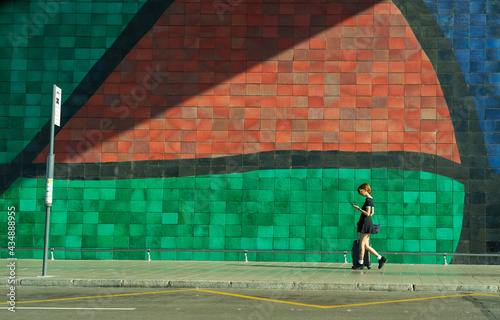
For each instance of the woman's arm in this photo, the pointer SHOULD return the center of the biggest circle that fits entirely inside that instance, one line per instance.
(368, 212)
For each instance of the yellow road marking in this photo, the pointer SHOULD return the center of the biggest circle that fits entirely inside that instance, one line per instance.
(258, 298)
(263, 299)
(337, 306)
(403, 300)
(95, 297)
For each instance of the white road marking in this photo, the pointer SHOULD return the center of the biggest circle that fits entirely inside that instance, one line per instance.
(60, 308)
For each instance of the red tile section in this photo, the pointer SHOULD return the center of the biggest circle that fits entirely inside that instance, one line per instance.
(219, 78)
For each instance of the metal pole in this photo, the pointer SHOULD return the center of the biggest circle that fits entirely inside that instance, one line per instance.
(49, 182)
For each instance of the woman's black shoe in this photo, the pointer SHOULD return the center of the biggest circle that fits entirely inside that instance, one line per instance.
(357, 267)
(381, 262)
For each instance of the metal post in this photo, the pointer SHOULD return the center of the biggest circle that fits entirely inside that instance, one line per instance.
(56, 102)
(345, 257)
(445, 262)
(149, 254)
(246, 256)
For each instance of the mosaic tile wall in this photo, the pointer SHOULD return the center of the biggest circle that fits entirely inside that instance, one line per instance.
(47, 42)
(230, 125)
(298, 209)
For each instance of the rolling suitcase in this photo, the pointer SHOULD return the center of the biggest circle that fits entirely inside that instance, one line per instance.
(355, 255)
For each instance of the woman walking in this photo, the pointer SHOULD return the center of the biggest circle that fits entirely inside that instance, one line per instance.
(365, 227)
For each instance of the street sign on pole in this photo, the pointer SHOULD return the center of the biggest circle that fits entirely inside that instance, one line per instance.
(57, 104)
(55, 119)
(49, 191)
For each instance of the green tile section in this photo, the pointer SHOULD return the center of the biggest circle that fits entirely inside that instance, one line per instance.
(297, 209)
(45, 43)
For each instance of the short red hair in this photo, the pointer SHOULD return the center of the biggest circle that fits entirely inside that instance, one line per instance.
(366, 187)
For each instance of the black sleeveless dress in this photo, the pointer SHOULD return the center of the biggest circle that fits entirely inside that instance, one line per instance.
(365, 223)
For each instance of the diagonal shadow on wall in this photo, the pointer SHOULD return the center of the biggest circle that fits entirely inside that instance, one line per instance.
(142, 22)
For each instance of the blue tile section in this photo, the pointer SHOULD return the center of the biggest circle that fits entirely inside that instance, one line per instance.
(473, 31)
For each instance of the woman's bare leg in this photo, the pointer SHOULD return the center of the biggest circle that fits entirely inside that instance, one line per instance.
(364, 237)
(370, 249)
(366, 246)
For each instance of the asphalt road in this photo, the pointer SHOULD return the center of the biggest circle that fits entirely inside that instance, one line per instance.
(58, 303)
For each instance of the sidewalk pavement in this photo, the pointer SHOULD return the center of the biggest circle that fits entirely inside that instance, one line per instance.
(253, 275)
